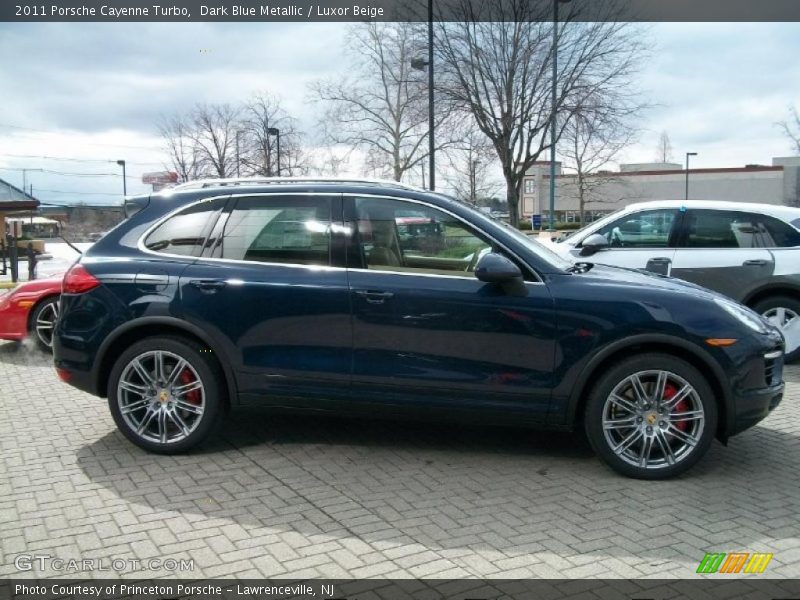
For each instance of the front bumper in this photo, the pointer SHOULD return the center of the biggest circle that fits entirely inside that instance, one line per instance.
(752, 403)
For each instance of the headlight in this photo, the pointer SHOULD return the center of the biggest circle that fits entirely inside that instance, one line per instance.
(743, 314)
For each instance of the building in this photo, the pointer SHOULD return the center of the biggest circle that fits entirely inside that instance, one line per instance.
(610, 190)
(14, 202)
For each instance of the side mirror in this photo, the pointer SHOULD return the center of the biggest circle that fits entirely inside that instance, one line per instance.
(496, 268)
(593, 243)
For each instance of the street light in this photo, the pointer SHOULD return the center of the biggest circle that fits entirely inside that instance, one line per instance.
(688, 154)
(553, 103)
(121, 163)
(420, 65)
(277, 133)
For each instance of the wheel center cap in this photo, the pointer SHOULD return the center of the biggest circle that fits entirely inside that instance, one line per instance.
(651, 418)
(163, 396)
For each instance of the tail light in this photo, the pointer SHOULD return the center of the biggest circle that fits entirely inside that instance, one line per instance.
(78, 280)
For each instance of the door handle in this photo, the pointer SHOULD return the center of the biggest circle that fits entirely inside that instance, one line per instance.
(208, 286)
(374, 297)
(661, 260)
(756, 262)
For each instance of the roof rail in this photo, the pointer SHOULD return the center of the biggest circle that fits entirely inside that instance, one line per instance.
(235, 181)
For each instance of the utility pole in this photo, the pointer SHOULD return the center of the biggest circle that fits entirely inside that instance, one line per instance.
(688, 154)
(431, 126)
(124, 178)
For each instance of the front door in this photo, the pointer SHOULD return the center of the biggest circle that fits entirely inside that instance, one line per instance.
(426, 331)
(640, 240)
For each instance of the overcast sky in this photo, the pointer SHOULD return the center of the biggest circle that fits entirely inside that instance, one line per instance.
(96, 91)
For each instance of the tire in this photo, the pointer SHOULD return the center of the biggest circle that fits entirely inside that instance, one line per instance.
(784, 313)
(42, 322)
(167, 417)
(614, 423)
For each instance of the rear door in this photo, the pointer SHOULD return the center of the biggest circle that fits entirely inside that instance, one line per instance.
(639, 240)
(272, 287)
(725, 251)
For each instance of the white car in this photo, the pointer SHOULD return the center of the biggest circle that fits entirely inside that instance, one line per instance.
(749, 252)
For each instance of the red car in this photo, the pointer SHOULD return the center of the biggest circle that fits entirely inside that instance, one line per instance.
(30, 309)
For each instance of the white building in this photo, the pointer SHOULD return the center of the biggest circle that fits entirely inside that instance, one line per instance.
(775, 184)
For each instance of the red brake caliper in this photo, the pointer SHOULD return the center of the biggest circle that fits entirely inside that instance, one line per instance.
(669, 392)
(192, 397)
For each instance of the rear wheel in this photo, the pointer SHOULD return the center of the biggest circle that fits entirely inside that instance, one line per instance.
(165, 395)
(651, 417)
(43, 322)
(784, 313)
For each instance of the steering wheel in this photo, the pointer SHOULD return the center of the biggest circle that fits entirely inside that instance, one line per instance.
(476, 257)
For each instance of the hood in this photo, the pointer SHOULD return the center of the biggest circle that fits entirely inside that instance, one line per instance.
(640, 277)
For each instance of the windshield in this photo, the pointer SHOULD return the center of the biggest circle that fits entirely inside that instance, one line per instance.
(537, 246)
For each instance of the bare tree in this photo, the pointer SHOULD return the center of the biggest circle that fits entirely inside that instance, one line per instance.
(263, 120)
(213, 134)
(664, 148)
(496, 65)
(470, 162)
(590, 141)
(180, 148)
(791, 128)
(381, 108)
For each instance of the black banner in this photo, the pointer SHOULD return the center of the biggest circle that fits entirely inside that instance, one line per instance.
(717, 587)
(397, 10)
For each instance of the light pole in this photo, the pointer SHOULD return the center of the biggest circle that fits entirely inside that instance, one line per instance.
(121, 163)
(688, 154)
(277, 133)
(553, 104)
(420, 65)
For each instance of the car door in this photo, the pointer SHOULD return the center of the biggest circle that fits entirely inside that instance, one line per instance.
(425, 330)
(638, 240)
(269, 290)
(723, 250)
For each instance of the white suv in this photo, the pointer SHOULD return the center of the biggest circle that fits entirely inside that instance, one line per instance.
(750, 252)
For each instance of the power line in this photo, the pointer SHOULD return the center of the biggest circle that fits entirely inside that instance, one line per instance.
(70, 159)
(77, 193)
(68, 174)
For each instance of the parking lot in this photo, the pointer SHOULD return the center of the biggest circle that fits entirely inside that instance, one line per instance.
(323, 497)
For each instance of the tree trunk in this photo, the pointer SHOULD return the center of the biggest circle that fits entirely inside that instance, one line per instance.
(512, 198)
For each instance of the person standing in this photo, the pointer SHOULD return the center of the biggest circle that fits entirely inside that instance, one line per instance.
(31, 262)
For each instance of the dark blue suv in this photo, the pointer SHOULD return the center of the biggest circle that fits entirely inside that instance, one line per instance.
(371, 298)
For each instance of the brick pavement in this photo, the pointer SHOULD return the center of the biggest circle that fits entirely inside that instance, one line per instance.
(324, 497)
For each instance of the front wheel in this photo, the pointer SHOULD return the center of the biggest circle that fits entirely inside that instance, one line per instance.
(165, 395)
(651, 416)
(784, 313)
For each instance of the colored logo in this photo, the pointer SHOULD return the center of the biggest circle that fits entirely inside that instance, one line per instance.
(735, 562)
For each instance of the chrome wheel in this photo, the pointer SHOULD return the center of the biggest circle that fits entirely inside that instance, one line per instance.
(653, 419)
(161, 397)
(46, 322)
(788, 321)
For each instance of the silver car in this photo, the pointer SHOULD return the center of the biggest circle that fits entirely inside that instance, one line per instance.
(750, 252)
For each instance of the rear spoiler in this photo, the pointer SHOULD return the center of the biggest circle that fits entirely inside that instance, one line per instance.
(134, 204)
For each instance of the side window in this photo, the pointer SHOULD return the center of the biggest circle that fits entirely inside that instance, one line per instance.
(734, 229)
(396, 235)
(646, 229)
(185, 232)
(279, 229)
(780, 234)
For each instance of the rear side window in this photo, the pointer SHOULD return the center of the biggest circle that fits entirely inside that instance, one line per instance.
(185, 232)
(279, 229)
(733, 229)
